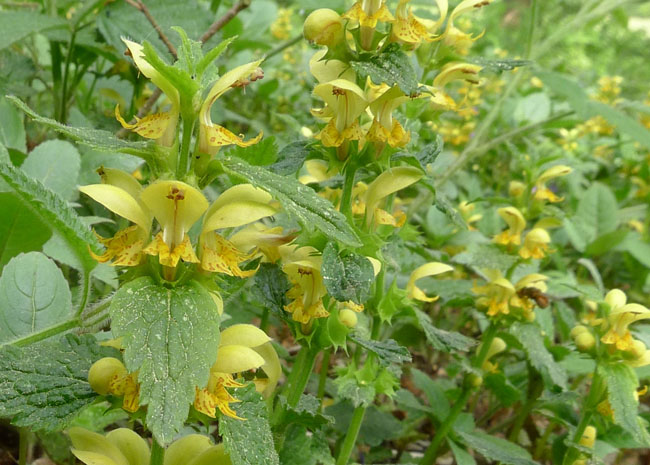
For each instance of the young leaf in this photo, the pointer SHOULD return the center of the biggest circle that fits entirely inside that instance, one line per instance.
(388, 352)
(348, 277)
(54, 212)
(249, 442)
(622, 383)
(171, 337)
(496, 449)
(43, 386)
(299, 201)
(392, 66)
(530, 337)
(33, 295)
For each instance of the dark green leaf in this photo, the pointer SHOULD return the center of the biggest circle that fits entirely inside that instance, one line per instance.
(392, 66)
(291, 157)
(306, 413)
(425, 156)
(171, 337)
(461, 455)
(347, 277)
(485, 256)
(530, 337)
(440, 339)
(270, 288)
(304, 447)
(438, 401)
(16, 25)
(261, 154)
(54, 212)
(33, 296)
(299, 201)
(388, 352)
(43, 386)
(497, 449)
(249, 442)
(507, 64)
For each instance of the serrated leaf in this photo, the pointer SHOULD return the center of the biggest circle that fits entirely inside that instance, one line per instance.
(297, 200)
(392, 66)
(440, 339)
(291, 157)
(93, 138)
(33, 296)
(497, 449)
(43, 386)
(263, 153)
(485, 256)
(305, 448)
(55, 212)
(424, 157)
(349, 388)
(622, 384)
(56, 164)
(306, 413)
(507, 64)
(347, 277)
(530, 337)
(388, 352)
(171, 337)
(270, 288)
(461, 455)
(249, 442)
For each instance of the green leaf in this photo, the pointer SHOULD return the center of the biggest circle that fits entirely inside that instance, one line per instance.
(569, 89)
(55, 212)
(43, 386)
(639, 250)
(263, 153)
(388, 352)
(532, 108)
(306, 413)
(304, 447)
(606, 242)
(425, 156)
(270, 288)
(502, 388)
(622, 384)
(12, 129)
(94, 138)
(485, 256)
(461, 455)
(33, 296)
(530, 337)
(440, 339)
(624, 124)
(507, 64)
(598, 210)
(16, 25)
(171, 337)
(249, 442)
(349, 388)
(497, 449)
(438, 401)
(297, 200)
(56, 164)
(392, 66)
(347, 277)
(20, 229)
(291, 157)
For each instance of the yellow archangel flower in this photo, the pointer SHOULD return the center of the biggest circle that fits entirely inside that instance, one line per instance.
(368, 13)
(302, 267)
(262, 241)
(453, 36)
(384, 185)
(449, 73)
(345, 102)
(496, 294)
(544, 193)
(621, 315)
(329, 70)
(242, 348)
(238, 206)
(384, 127)
(535, 244)
(124, 446)
(528, 294)
(213, 136)
(466, 209)
(516, 225)
(428, 269)
(497, 346)
(408, 28)
(160, 126)
(108, 375)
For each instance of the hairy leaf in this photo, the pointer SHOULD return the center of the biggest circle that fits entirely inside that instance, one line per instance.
(530, 337)
(497, 449)
(348, 277)
(392, 66)
(388, 352)
(440, 339)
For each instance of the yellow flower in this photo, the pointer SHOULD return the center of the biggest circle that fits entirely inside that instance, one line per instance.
(386, 184)
(324, 27)
(242, 348)
(451, 72)
(160, 126)
(108, 375)
(453, 36)
(467, 211)
(496, 294)
(326, 70)
(530, 289)
(235, 207)
(368, 13)
(302, 267)
(544, 193)
(257, 237)
(345, 102)
(213, 136)
(281, 27)
(516, 225)
(620, 316)
(497, 346)
(428, 269)
(407, 27)
(535, 244)
(384, 128)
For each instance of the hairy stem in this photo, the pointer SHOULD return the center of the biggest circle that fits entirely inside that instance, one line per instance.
(44, 333)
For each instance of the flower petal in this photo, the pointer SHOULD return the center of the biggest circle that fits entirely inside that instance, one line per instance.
(95, 448)
(188, 446)
(236, 359)
(244, 335)
(387, 183)
(120, 202)
(131, 444)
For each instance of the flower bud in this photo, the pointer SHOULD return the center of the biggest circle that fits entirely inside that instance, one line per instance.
(577, 330)
(348, 318)
(324, 27)
(588, 437)
(475, 380)
(585, 341)
(102, 372)
(516, 188)
(638, 349)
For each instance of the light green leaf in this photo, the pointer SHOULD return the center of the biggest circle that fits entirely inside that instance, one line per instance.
(171, 337)
(392, 66)
(347, 277)
(532, 108)
(485, 256)
(388, 352)
(461, 455)
(20, 229)
(12, 129)
(54, 212)
(305, 448)
(249, 442)
(440, 339)
(639, 250)
(56, 164)
(438, 401)
(297, 200)
(598, 210)
(530, 337)
(33, 295)
(624, 124)
(569, 89)
(622, 384)
(43, 386)
(497, 449)
(16, 25)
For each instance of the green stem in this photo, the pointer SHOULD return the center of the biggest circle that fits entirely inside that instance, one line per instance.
(322, 378)
(535, 388)
(531, 28)
(23, 447)
(44, 333)
(157, 453)
(85, 292)
(346, 195)
(351, 436)
(66, 71)
(184, 157)
(304, 367)
(468, 389)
